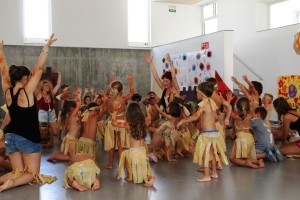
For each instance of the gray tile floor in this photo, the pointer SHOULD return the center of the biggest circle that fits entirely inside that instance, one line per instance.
(174, 181)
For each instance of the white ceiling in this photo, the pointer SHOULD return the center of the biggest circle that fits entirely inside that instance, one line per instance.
(190, 2)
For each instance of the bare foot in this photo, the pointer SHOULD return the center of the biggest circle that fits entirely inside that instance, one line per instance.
(180, 154)
(109, 166)
(128, 179)
(204, 179)
(96, 185)
(150, 182)
(201, 169)
(261, 163)
(215, 176)
(79, 187)
(250, 164)
(7, 185)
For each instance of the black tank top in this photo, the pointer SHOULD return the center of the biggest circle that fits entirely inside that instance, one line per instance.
(23, 121)
(163, 101)
(295, 125)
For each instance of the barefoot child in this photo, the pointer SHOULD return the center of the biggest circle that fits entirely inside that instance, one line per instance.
(82, 174)
(87, 142)
(135, 159)
(243, 151)
(117, 138)
(69, 117)
(209, 150)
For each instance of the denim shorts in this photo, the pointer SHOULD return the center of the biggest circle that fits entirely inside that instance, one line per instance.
(16, 143)
(47, 116)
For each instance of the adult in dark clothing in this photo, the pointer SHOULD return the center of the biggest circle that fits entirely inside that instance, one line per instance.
(22, 140)
(291, 121)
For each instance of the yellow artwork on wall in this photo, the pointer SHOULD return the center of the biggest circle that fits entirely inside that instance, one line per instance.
(289, 87)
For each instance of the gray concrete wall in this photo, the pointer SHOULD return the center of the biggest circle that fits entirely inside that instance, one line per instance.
(87, 67)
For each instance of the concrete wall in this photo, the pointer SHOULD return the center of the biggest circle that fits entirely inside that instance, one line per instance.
(87, 67)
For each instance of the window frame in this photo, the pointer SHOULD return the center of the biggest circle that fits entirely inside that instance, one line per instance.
(28, 40)
(214, 16)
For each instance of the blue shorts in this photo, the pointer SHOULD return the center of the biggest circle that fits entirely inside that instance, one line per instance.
(47, 116)
(16, 143)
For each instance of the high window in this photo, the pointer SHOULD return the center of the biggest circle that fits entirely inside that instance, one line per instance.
(139, 23)
(284, 13)
(209, 18)
(37, 20)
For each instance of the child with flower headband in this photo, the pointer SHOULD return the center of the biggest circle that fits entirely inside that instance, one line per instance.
(209, 150)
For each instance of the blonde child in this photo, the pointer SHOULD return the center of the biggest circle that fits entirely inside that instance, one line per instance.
(209, 150)
(117, 138)
(82, 174)
(69, 117)
(137, 163)
(267, 102)
(243, 151)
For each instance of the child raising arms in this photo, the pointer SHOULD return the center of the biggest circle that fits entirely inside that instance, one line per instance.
(209, 150)
(137, 163)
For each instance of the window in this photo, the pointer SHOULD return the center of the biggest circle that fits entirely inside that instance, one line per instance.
(209, 18)
(284, 13)
(37, 20)
(138, 23)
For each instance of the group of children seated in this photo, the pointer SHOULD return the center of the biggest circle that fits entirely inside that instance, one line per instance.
(182, 129)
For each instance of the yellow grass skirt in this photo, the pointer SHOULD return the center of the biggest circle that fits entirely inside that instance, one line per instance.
(100, 129)
(111, 137)
(87, 145)
(37, 178)
(138, 165)
(243, 146)
(68, 144)
(186, 140)
(207, 146)
(84, 172)
(221, 129)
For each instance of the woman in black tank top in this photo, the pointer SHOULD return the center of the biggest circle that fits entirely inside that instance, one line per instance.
(22, 141)
(168, 82)
(291, 120)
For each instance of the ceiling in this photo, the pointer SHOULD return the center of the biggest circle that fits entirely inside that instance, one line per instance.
(190, 2)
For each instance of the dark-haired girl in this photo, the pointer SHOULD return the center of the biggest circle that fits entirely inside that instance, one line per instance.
(22, 141)
(243, 151)
(135, 159)
(70, 120)
(291, 120)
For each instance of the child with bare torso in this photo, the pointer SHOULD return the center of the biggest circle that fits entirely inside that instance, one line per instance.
(69, 118)
(212, 153)
(87, 142)
(117, 138)
(135, 159)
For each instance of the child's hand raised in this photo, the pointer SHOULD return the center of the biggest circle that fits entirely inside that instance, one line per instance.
(229, 96)
(130, 78)
(148, 58)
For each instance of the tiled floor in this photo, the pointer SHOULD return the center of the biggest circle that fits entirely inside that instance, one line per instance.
(174, 181)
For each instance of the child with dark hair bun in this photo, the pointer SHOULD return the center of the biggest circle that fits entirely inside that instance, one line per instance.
(243, 151)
